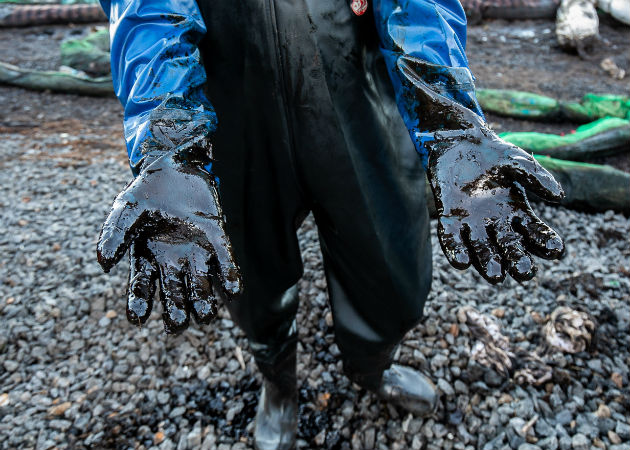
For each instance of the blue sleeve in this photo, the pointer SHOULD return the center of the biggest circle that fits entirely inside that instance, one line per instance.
(431, 35)
(157, 70)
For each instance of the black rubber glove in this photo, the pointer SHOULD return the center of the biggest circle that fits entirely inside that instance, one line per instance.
(479, 183)
(170, 219)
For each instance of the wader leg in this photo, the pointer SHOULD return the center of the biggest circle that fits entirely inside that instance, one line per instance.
(272, 333)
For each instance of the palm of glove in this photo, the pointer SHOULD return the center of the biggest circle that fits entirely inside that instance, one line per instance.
(479, 182)
(484, 216)
(171, 221)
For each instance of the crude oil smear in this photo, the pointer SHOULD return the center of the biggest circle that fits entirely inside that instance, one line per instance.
(478, 181)
(204, 403)
(122, 432)
(211, 408)
(170, 219)
(314, 416)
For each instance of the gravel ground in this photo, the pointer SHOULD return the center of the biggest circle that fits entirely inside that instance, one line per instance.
(75, 374)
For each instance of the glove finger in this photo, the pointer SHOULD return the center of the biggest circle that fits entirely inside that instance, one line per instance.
(200, 296)
(117, 231)
(540, 239)
(519, 264)
(229, 273)
(452, 243)
(485, 258)
(142, 276)
(525, 169)
(176, 315)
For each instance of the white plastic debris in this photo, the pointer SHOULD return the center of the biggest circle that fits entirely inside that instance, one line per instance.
(619, 9)
(612, 69)
(577, 24)
(569, 330)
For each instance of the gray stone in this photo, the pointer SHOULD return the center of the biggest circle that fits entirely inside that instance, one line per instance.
(555, 400)
(445, 387)
(527, 446)
(564, 417)
(596, 365)
(589, 430)
(182, 444)
(439, 430)
(167, 444)
(560, 431)
(496, 442)
(524, 408)
(548, 443)
(517, 424)
(177, 412)
(163, 397)
(565, 442)
(492, 378)
(580, 442)
(514, 439)
(606, 423)
(619, 447)
(320, 438)
(194, 437)
(61, 425)
(438, 361)
(10, 366)
(543, 428)
(82, 421)
(460, 387)
(369, 438)
(623, 430)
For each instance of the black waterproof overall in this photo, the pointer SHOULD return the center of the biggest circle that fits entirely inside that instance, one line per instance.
(308, 122)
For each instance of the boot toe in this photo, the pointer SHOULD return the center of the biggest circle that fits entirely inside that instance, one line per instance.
(409, 389)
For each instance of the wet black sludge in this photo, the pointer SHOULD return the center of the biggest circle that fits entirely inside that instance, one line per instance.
(170, 219)
(479, 181)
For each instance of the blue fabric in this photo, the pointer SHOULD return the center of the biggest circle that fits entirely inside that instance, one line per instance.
(156, 62)
(431, 31)
(156, 59)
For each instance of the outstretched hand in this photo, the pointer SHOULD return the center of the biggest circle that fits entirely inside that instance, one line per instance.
(170, 220)
(484, 216)
(479, 182)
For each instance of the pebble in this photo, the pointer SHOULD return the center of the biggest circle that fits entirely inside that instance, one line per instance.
(565, 442)
(10, 366)
(543, 428)
(527, 446)
(564, 417)
(623, 430)
(445, 387)
(614, 437)
(580, 442)
(524, 408)
(163, 397)
(178, 411)
(548, 443)
(460, 387)
(619, 447)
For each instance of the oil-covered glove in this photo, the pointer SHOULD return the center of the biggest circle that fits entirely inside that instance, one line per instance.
(170, 219)
(479, 183)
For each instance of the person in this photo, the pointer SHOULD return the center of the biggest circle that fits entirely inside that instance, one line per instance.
(313, 106)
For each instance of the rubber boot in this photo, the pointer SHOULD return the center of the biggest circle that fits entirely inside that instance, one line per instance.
(276, 417)
(409, 389)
